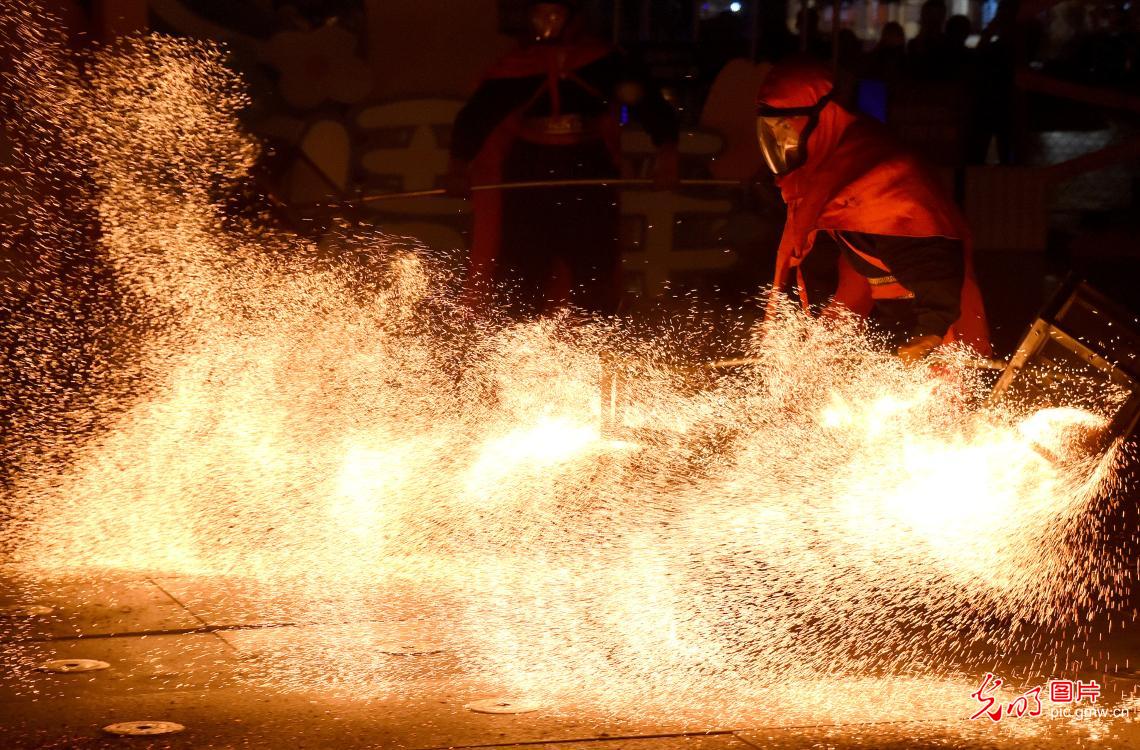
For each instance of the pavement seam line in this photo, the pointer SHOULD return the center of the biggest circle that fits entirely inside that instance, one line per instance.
(176, 600)
(206, 629)
(615, 738)
(154, 582)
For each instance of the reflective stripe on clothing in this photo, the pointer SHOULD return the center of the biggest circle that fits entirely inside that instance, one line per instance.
(882, 287)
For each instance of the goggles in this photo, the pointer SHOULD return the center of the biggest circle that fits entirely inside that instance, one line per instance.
(783, 134)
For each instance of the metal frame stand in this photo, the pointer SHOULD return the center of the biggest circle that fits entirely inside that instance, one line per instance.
(1083, 350)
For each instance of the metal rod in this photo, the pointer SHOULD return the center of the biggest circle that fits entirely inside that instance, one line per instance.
(545, 184)
(735, 362)
(836, 15)
(754, 32)
(977, 363)
(803, 16)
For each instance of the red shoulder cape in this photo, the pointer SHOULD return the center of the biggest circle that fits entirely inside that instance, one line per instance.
(525, 61)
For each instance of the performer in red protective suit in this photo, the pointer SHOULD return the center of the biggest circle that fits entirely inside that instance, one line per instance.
(904, 248)
(549, 111)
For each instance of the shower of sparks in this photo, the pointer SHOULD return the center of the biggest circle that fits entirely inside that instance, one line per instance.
(191, 393)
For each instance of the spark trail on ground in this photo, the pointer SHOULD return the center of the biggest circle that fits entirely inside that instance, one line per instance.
(338, 431)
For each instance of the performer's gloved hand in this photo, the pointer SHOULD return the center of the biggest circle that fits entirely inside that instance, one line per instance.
(918, 347)
(457, 181)
(667, 168)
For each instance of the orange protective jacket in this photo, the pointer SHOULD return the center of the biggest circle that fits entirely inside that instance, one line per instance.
(855, 178)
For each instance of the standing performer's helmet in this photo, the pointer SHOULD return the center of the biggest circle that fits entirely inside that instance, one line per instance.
(787, 111)
(549, 18)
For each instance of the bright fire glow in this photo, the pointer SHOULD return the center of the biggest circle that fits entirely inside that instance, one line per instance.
(343, 428)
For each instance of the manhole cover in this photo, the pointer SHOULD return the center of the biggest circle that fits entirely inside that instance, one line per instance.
(73, 665)
(409, 648)
(503, 706)
(25, 610)
(140, 728)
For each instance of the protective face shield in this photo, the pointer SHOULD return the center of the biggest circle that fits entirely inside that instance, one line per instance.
(783, 134)
(782, 142)
(548, 21)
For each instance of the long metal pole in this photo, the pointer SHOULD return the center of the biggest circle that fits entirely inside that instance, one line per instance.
(803, 26)
(836, 13)
(976, 363)
(545, 184)
(754, 33)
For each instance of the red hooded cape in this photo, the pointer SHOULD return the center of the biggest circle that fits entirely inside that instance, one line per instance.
(856, 178)
(554, 61)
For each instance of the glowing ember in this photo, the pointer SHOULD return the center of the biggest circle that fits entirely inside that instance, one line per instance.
(344, 433)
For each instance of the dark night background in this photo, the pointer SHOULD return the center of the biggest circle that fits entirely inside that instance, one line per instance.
(1028, 110)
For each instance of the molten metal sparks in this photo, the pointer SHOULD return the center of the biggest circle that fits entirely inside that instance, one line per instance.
(345, 437)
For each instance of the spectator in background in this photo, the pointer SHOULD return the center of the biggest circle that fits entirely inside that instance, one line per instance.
(548, 111)
(881, 69)
(776, 40)
(927, 51)
(958, 30)
(808, 38)
(994, 112)
(724, 37)
(1108, 56)
(959, 57)
(848, 62)
(850, 49)
(961, 83)
(887, 61)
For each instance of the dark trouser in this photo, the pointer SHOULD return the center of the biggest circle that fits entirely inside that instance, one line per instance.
(544, 229)
(896, 318)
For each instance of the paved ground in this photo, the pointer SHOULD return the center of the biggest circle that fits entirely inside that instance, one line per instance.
(196, 652)
(188, 650)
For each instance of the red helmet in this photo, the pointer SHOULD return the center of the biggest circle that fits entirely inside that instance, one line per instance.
(795, 83)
